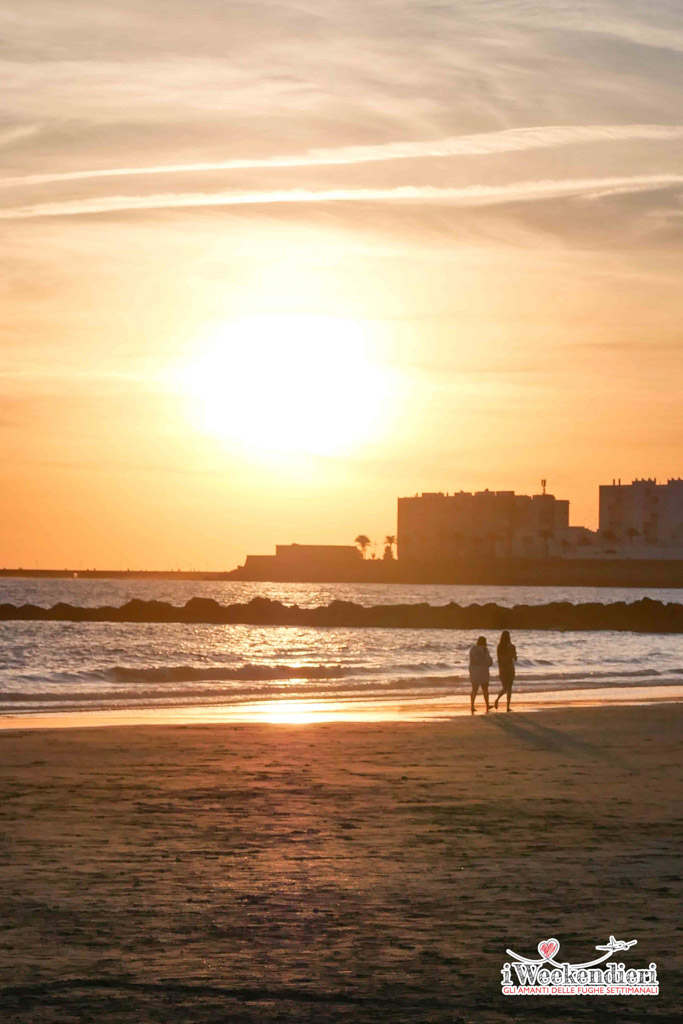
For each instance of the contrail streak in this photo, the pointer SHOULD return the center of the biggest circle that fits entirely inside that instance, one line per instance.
(482, 144)
(473, 195)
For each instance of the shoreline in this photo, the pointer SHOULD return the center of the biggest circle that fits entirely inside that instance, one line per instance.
(321, 712)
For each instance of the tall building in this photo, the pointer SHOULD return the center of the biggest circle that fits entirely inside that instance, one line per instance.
(643, 513)
(437, 526)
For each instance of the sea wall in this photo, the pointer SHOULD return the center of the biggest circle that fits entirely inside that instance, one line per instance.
(527, 572)
(638, 616)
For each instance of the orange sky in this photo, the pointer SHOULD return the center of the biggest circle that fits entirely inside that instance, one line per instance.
(449, 235)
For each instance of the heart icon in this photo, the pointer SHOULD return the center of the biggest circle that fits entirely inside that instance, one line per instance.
(549, 948)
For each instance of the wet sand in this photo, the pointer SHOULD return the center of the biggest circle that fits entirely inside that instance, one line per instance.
(308, 712)
(361, 872)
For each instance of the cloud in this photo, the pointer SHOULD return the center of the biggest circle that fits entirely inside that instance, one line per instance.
(471, 195)
(626, 20)
(480, 144)
(10, 135)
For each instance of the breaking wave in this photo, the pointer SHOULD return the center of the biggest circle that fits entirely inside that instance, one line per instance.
(190, 673)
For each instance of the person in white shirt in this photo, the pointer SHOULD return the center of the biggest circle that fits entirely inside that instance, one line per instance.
(480, 663)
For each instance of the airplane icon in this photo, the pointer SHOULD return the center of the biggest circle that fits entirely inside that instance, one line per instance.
(617, 945)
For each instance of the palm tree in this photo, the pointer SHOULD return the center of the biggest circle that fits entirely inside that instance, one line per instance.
(389, 542)
(363, 542)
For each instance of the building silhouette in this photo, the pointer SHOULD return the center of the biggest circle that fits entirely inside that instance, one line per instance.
(465, 535)
(642, 513)
(486, 524)
(314, 561)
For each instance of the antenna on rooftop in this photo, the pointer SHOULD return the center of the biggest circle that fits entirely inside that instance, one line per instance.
(544, 484)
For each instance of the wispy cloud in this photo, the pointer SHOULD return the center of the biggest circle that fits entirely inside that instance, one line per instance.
(473, 195)
(480, 144)
(8, 136)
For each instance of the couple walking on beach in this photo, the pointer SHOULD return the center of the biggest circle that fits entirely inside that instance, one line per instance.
(480, 663)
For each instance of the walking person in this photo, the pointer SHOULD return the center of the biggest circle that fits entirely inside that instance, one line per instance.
(480, 663)
(507, 656)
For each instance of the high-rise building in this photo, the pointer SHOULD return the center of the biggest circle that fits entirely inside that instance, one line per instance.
(643, 513)
(437, 526)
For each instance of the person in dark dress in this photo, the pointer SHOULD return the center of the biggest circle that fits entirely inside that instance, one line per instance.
(507, 656)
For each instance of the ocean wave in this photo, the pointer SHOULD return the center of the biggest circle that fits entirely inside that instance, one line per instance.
(191, 673)
(316, 677)
(405, 688)
(559, 675)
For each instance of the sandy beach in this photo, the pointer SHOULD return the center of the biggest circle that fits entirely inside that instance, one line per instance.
(336, 872)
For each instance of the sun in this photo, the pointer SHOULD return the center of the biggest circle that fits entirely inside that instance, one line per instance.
(295, 384)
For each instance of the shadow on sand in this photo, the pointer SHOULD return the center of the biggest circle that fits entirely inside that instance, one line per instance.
(534, 733)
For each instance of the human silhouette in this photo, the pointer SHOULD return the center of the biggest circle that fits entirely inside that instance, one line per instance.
(507, 656)
(480, 663)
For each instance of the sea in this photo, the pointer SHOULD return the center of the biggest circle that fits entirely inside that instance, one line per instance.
(293, 674)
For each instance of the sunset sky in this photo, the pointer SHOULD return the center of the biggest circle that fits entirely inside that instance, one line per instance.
(268, 265)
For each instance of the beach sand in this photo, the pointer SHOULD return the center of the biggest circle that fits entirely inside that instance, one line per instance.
(336, 872)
